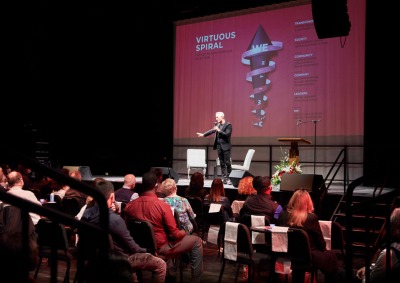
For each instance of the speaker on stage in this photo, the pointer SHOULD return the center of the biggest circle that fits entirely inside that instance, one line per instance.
(310, 182)
(236, 175)
(168, 172)
(330, 18)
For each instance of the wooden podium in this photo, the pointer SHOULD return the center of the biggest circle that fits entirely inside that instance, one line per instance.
(294, 148)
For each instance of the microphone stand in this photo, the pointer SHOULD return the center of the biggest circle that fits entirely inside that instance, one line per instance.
(315, 137)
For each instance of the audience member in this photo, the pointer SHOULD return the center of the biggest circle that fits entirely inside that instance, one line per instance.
(160, 179)
(123, 243)
(217, 195)
(43, 186)
(299, 213)
(171, 242)
(126, 193)
(261, 203)
(16, 183)
(73, 193)
(3, 179)
(196, 186)
(378, 268)
(180, 204)
(59, 188)
(245, 188)
(27, 175)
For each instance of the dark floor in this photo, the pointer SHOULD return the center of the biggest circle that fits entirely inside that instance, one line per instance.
(212, 267)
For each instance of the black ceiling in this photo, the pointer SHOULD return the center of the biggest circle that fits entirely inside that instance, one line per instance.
(186, 9)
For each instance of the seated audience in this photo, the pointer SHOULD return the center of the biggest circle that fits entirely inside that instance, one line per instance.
(16, 183)
(245, 188)
(378, 268)
(196, 186)
(261, 203)
(180, 204)
(3, 179)
(171, 242)
(217, 195)
(126, 193)
(59, 188)
(299, 213)
(160, 179)
(123, 243)
(72, 193)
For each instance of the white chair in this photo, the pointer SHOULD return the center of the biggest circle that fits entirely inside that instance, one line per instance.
(246, 163)
(196, 158)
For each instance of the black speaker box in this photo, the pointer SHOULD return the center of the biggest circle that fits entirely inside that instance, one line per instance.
(330, 18)
(310, 182)
(236, 175)
(168, 172)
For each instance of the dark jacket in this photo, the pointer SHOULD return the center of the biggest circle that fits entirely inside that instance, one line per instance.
(260, 204)
(122, 240)
(223, 137)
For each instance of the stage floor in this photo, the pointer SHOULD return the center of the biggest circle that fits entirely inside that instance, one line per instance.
(336, 189)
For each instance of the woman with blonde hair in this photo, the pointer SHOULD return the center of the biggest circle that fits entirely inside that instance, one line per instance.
(299, 213)
(180, 204)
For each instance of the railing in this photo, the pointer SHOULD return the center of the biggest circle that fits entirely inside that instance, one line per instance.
(101, 232)
(351, 209)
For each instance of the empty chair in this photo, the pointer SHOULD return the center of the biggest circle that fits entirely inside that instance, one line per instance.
(196, 159)
(246, 163)
(53, 244)
(216, 219)
(244, 250)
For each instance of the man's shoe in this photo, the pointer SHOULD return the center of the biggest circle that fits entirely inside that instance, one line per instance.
(229, 182)
(224, 181)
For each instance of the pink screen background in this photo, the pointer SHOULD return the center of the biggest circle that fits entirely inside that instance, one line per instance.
(313, 79)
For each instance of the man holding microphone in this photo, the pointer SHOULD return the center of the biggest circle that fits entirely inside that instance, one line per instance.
(222, 143)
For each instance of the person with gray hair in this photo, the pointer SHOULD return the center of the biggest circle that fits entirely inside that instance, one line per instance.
(222, 143)
(378, 268)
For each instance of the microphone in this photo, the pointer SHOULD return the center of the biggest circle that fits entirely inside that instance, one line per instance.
(215, 124)
(298, 122)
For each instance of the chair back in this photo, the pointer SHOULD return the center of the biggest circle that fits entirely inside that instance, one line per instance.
(70, 206)
(247, 161)
(51, 234)
(299, 249)
(53, 244)
(213, 218)
(197, 205)
(143, 234)
(196, 158)
(337, 239)
(246, 220)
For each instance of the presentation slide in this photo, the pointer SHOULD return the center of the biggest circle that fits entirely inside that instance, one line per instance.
(271, 75)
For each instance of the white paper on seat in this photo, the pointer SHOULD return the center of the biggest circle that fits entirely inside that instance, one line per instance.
(237, 206)
(279, 239)
(256, 237)
(230, 240)
(213, 234)
(214, 207)
(326, 228)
